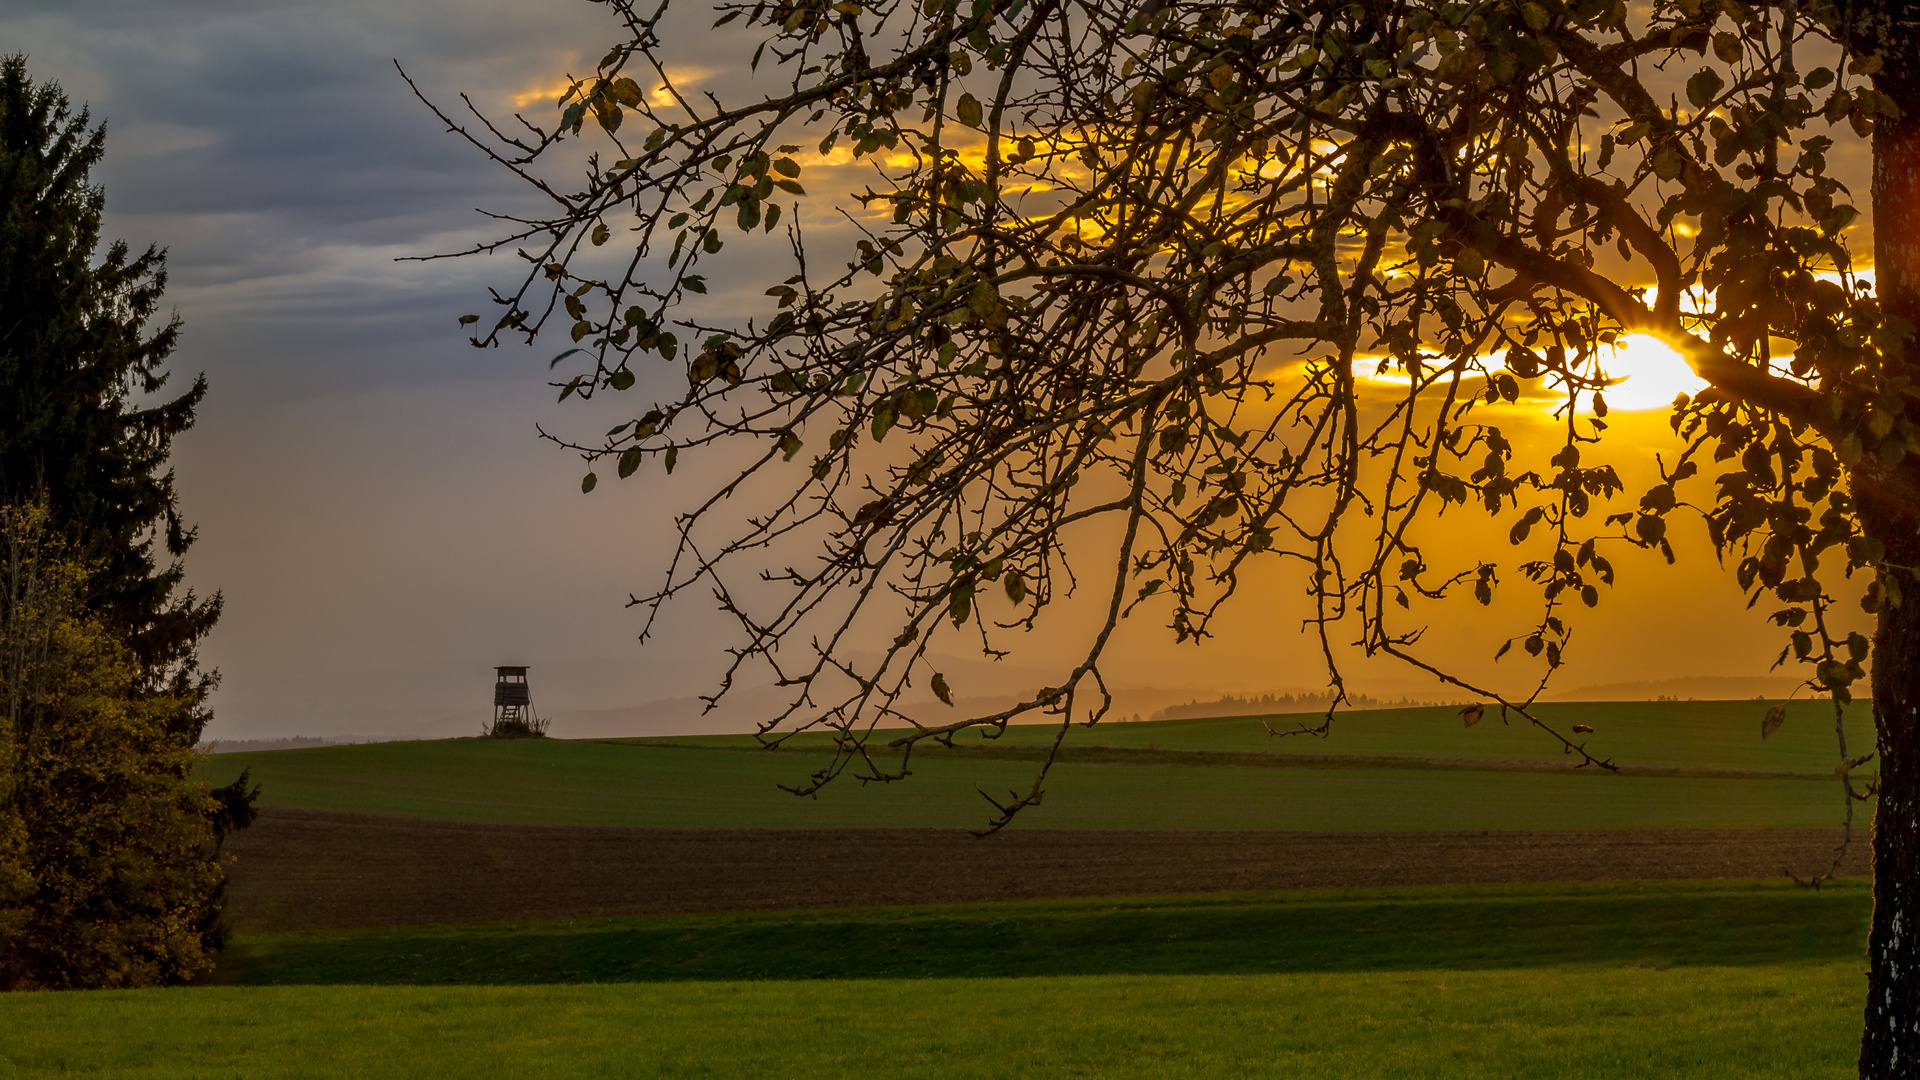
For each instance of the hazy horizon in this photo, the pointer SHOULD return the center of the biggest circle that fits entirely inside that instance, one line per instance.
(372, 497)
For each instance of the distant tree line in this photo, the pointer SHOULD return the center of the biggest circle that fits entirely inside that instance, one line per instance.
(1266, 704)
(242, 746)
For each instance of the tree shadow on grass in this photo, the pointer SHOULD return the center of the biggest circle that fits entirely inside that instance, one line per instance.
(1690, 924)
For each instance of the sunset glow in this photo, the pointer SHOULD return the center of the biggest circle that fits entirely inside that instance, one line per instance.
(549, 92)
(1650, 371)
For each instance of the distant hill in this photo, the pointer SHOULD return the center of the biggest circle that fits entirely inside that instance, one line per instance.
(684, 716)
(1693, 688)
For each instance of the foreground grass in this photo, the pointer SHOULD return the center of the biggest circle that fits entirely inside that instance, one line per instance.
(1589, 981)
(600, 783)
(1659, 924)
(1790, 1020)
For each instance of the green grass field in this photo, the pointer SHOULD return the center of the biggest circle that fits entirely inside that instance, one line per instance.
(1194, 774)
(1635, 734)
(1672, 979)
(1791, 1021)
(1465, 928)
(1589, 981)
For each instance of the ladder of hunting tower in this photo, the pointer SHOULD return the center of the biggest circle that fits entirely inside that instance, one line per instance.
(512, 699)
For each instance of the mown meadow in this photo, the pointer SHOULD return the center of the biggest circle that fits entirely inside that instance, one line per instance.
(1796, 1021)
(1684, 765)
(1675, 978)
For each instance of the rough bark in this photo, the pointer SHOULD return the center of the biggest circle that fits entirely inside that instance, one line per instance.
(1889, 498)
(1890, 1046)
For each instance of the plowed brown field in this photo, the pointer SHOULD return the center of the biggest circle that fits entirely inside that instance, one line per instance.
(309, 869)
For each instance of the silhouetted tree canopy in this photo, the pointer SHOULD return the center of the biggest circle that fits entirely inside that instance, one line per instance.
(1182, 286)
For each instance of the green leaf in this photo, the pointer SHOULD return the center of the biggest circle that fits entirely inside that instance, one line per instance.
(967, 110)
(1858, 646)
(673, 455)
(621, 379)
(629, 461)
(608, 114)
(1774, 718)
(1705, 86)
(749, 213)
(959, 606)
(1865, 550)
(1666, 162)
(694, 283)
(587, 482)
(984, 299)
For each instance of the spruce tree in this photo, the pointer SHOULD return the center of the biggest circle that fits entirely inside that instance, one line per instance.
(86, 423)
(110, 872)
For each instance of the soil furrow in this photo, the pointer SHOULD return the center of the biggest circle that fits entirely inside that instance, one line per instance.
(312, 869)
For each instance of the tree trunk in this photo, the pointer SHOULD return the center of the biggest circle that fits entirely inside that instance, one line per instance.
(1890, 1046)
(1889, 506)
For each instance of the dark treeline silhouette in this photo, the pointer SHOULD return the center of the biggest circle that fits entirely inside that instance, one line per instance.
(1266, 704)
(242, 746)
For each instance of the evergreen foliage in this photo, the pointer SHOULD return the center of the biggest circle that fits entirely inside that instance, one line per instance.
(109, 866)
(85, 426)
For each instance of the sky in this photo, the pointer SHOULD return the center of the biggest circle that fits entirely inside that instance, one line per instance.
(373, 500)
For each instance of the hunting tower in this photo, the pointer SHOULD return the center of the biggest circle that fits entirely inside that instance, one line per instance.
(513, 715)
